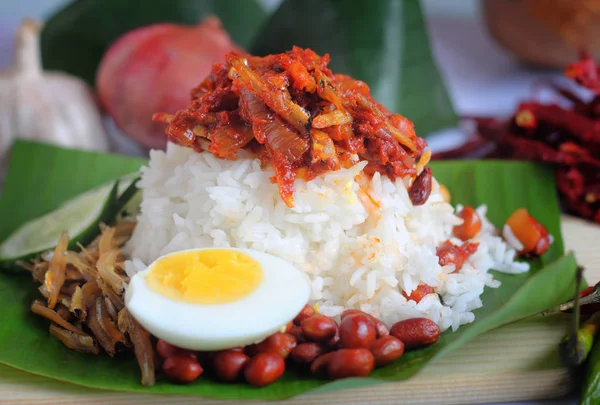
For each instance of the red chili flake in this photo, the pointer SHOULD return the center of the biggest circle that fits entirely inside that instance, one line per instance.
(449, 253)
(418, 293)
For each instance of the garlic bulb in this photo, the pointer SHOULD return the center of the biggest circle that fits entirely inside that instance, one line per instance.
(45, 106)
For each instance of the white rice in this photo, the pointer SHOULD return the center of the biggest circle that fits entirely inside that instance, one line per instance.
(353, 258)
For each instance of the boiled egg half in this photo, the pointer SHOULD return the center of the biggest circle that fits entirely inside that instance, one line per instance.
(214, 299)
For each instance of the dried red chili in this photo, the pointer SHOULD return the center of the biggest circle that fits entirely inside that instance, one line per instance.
(567, 137)
(585, 72)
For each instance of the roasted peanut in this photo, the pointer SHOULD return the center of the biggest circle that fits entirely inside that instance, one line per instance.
(264, 369)
(166, 350)
(380, 327)
(350, 363)
(320, 365)
(306, 312)
(228, 364)
(349, 312)
(382, 330)
(357, 330)
(278, 343)
(296, 332)
(421, 188)
(334, 342)
(318, 328)
(182, 369)
(471, 224)
(416, 332)
(305, 353)
(386, 350)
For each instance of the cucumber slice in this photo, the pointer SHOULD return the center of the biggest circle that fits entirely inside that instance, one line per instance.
(80, 217)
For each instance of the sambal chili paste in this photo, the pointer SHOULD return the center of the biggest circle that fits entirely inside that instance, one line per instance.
(295, 114)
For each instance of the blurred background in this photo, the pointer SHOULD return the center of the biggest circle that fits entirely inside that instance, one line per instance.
(471, 61)
(482, 76)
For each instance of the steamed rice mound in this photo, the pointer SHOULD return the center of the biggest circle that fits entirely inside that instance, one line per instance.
(359, 240)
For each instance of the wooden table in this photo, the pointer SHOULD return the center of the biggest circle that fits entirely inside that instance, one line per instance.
(515, 362)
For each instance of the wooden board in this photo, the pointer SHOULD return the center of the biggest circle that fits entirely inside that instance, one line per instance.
(508, 364)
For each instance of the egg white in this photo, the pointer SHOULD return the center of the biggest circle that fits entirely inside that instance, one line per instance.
(280, 296)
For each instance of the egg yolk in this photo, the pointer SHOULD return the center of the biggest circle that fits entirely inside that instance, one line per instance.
(215, 276)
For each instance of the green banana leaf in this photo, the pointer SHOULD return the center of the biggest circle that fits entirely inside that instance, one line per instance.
(75, 37)
(381, 42)
(590, 393)
(42, 176)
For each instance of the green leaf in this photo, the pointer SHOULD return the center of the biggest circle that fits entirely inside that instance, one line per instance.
(42, 176)
(80, 217)
(590, 394)
(75, 38)
(381, 42)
